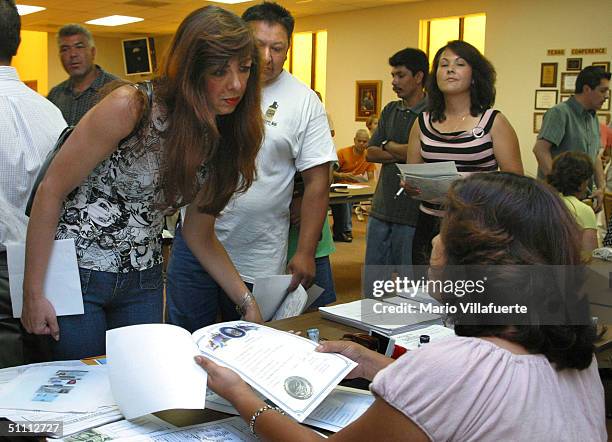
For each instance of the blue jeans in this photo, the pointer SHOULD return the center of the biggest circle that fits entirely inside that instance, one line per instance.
(388, 252)
(388, 243)
(110, 300)
(324, 279)
(193, 297)
(343, 221)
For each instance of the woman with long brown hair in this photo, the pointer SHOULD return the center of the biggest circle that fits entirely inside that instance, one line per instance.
(128, 160)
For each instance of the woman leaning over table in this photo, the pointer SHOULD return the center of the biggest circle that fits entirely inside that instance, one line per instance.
(494, 381)
(125, 163)
(459, 125)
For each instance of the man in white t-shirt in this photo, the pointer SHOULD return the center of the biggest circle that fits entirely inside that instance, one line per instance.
(254, 226)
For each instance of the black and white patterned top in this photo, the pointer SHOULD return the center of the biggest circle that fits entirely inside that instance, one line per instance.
(112, 215)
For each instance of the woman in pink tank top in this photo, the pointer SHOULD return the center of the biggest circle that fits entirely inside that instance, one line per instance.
(510, 376)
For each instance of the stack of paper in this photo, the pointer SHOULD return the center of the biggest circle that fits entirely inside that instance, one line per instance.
(373, 315)
(432, 179)
(342, 407)
(73, 422)
(233, 429)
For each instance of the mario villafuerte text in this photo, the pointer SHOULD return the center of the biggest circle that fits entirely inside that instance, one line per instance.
(445, 309)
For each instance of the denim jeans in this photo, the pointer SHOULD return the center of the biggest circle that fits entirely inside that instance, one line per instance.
(343, 221)
(324, 279)
(110, 300)
(193, 297)
(388, 252)
(388, 243)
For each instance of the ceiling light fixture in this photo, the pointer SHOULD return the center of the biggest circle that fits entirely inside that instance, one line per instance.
(26, 9)
(114, 20)
(230, 2)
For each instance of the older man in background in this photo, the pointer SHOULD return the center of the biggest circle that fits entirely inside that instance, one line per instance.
(79, 93)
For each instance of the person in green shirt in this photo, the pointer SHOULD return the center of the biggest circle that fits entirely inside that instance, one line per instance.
(573, 126)
(570, 175)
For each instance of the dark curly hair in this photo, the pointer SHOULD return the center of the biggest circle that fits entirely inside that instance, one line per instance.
(569, 172)
(500, 221)
(482, 89)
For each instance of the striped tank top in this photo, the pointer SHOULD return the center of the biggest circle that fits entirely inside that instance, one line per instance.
(472, 151)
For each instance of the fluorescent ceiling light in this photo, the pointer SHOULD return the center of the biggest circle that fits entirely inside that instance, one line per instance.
(26, 9)
(230, 2)
(114, 20)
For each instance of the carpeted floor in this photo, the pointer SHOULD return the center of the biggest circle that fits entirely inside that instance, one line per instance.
(347, 263)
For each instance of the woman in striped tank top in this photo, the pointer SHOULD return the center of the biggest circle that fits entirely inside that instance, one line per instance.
(459, 125)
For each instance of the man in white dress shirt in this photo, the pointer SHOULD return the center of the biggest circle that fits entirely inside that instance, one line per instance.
(29, 127)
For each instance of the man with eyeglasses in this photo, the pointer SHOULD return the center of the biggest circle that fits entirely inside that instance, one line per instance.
(573, 126)
(75, 96)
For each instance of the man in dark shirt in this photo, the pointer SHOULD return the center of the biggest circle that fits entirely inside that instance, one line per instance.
(75, 96)
(392, 220)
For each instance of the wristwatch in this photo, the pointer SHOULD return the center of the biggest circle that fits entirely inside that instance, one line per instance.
(383, 144)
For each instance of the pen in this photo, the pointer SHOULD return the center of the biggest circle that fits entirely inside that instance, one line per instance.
(398, 193)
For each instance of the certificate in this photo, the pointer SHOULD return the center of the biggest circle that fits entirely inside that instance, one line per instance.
(538, 117)
(568, 82)
(545, 99)
(283, 367)
(548, 75)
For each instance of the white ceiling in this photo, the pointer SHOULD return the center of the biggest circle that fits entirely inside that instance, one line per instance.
(164, 16)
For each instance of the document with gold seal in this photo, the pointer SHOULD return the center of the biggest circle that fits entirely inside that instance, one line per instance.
(283, 367)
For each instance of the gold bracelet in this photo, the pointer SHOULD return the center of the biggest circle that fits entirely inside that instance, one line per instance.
(259, 413)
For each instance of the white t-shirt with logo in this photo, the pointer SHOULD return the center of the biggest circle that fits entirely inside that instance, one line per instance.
(254, 227)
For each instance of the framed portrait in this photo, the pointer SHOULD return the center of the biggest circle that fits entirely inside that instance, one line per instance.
(538, 117)
(564, 97)
(137, 56)
(367, 99)
(548, 74)
(573, 64)
(604, 64)
(545, 98)
(604, 118)
(606, 105)
(568, 82)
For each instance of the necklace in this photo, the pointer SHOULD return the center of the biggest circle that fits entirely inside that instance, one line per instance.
(460, 123)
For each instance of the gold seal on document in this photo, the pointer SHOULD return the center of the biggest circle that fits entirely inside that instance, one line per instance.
(297, 387)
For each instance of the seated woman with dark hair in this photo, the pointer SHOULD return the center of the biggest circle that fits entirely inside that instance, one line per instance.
(570, 175)
(495, 380)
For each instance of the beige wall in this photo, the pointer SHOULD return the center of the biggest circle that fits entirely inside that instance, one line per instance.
(518, 34)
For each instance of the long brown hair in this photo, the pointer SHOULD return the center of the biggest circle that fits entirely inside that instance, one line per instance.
(513, 226)
(228, 144)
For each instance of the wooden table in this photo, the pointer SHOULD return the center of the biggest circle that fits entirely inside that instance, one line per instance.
(351, 195)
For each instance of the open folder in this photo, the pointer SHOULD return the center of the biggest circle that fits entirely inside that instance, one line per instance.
(151, 366)
(276, 303)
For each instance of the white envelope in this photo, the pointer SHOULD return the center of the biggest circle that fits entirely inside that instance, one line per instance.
(62, 285)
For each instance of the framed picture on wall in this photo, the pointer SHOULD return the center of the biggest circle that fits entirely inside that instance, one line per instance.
(573, 64)
(538, 117)
(545, 98)
(564, 97)
(604, 64)
(604, 118)
(606, 105)
(548, 74)
(568, 82)
(367, 99)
